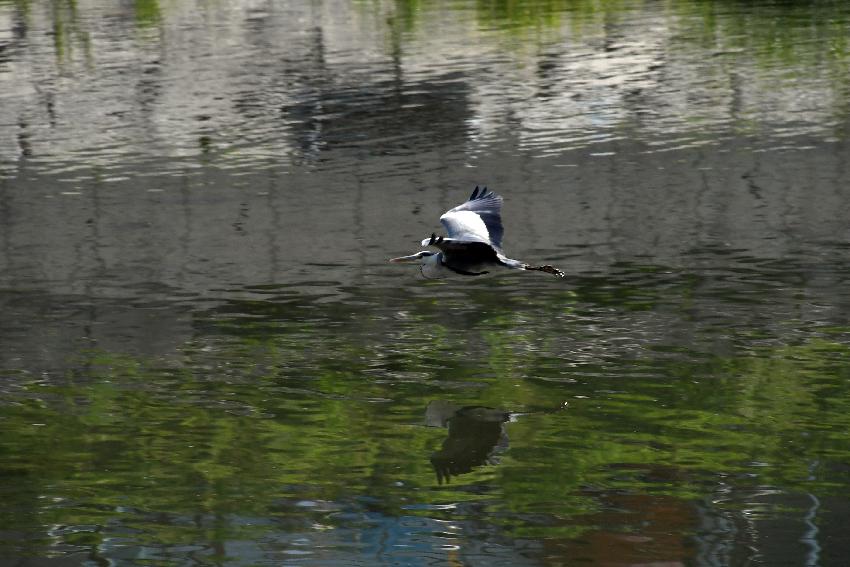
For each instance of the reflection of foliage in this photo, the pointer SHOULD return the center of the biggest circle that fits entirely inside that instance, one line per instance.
(278, 401)
(776, 33)
(67, 31)
(512, 15)
(147, 12)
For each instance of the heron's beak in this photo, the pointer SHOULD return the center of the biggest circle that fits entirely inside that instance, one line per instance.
(412, 259)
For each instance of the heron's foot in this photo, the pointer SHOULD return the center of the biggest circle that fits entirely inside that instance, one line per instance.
(547, 269)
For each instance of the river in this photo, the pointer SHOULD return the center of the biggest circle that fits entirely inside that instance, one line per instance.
(207, 360)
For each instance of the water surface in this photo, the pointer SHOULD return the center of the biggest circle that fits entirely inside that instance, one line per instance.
(206, 359)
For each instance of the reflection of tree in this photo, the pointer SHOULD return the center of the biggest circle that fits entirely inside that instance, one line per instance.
(427, 114)
(475, 434)
(287, 398)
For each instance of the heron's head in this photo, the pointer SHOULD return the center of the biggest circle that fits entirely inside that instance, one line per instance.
(419, 258)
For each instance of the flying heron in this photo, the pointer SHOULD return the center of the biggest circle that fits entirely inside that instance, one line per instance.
(473, 245)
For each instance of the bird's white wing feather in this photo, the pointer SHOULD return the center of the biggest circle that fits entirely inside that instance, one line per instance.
(465, 225)
(478, 219)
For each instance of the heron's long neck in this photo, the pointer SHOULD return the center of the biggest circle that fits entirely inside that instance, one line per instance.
(433, 268)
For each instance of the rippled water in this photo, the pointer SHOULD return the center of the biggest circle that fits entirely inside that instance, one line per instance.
(206, 359)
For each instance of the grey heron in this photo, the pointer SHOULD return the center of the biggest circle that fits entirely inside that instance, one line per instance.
(473, 245)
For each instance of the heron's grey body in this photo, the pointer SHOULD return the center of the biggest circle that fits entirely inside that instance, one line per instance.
(473, 245)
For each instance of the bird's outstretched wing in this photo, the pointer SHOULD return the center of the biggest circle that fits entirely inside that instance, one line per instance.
(477, 220)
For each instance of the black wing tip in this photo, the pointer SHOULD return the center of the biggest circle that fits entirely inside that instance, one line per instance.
(435, 240)
(480, 193)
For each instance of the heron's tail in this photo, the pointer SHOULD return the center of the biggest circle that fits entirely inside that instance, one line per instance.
(546, 268)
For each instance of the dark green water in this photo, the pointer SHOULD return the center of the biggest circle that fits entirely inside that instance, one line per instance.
(206, 360)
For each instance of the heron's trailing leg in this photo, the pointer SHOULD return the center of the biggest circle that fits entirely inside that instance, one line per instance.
(547, 268)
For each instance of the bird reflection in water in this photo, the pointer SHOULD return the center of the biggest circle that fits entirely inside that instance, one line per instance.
(476, 436)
